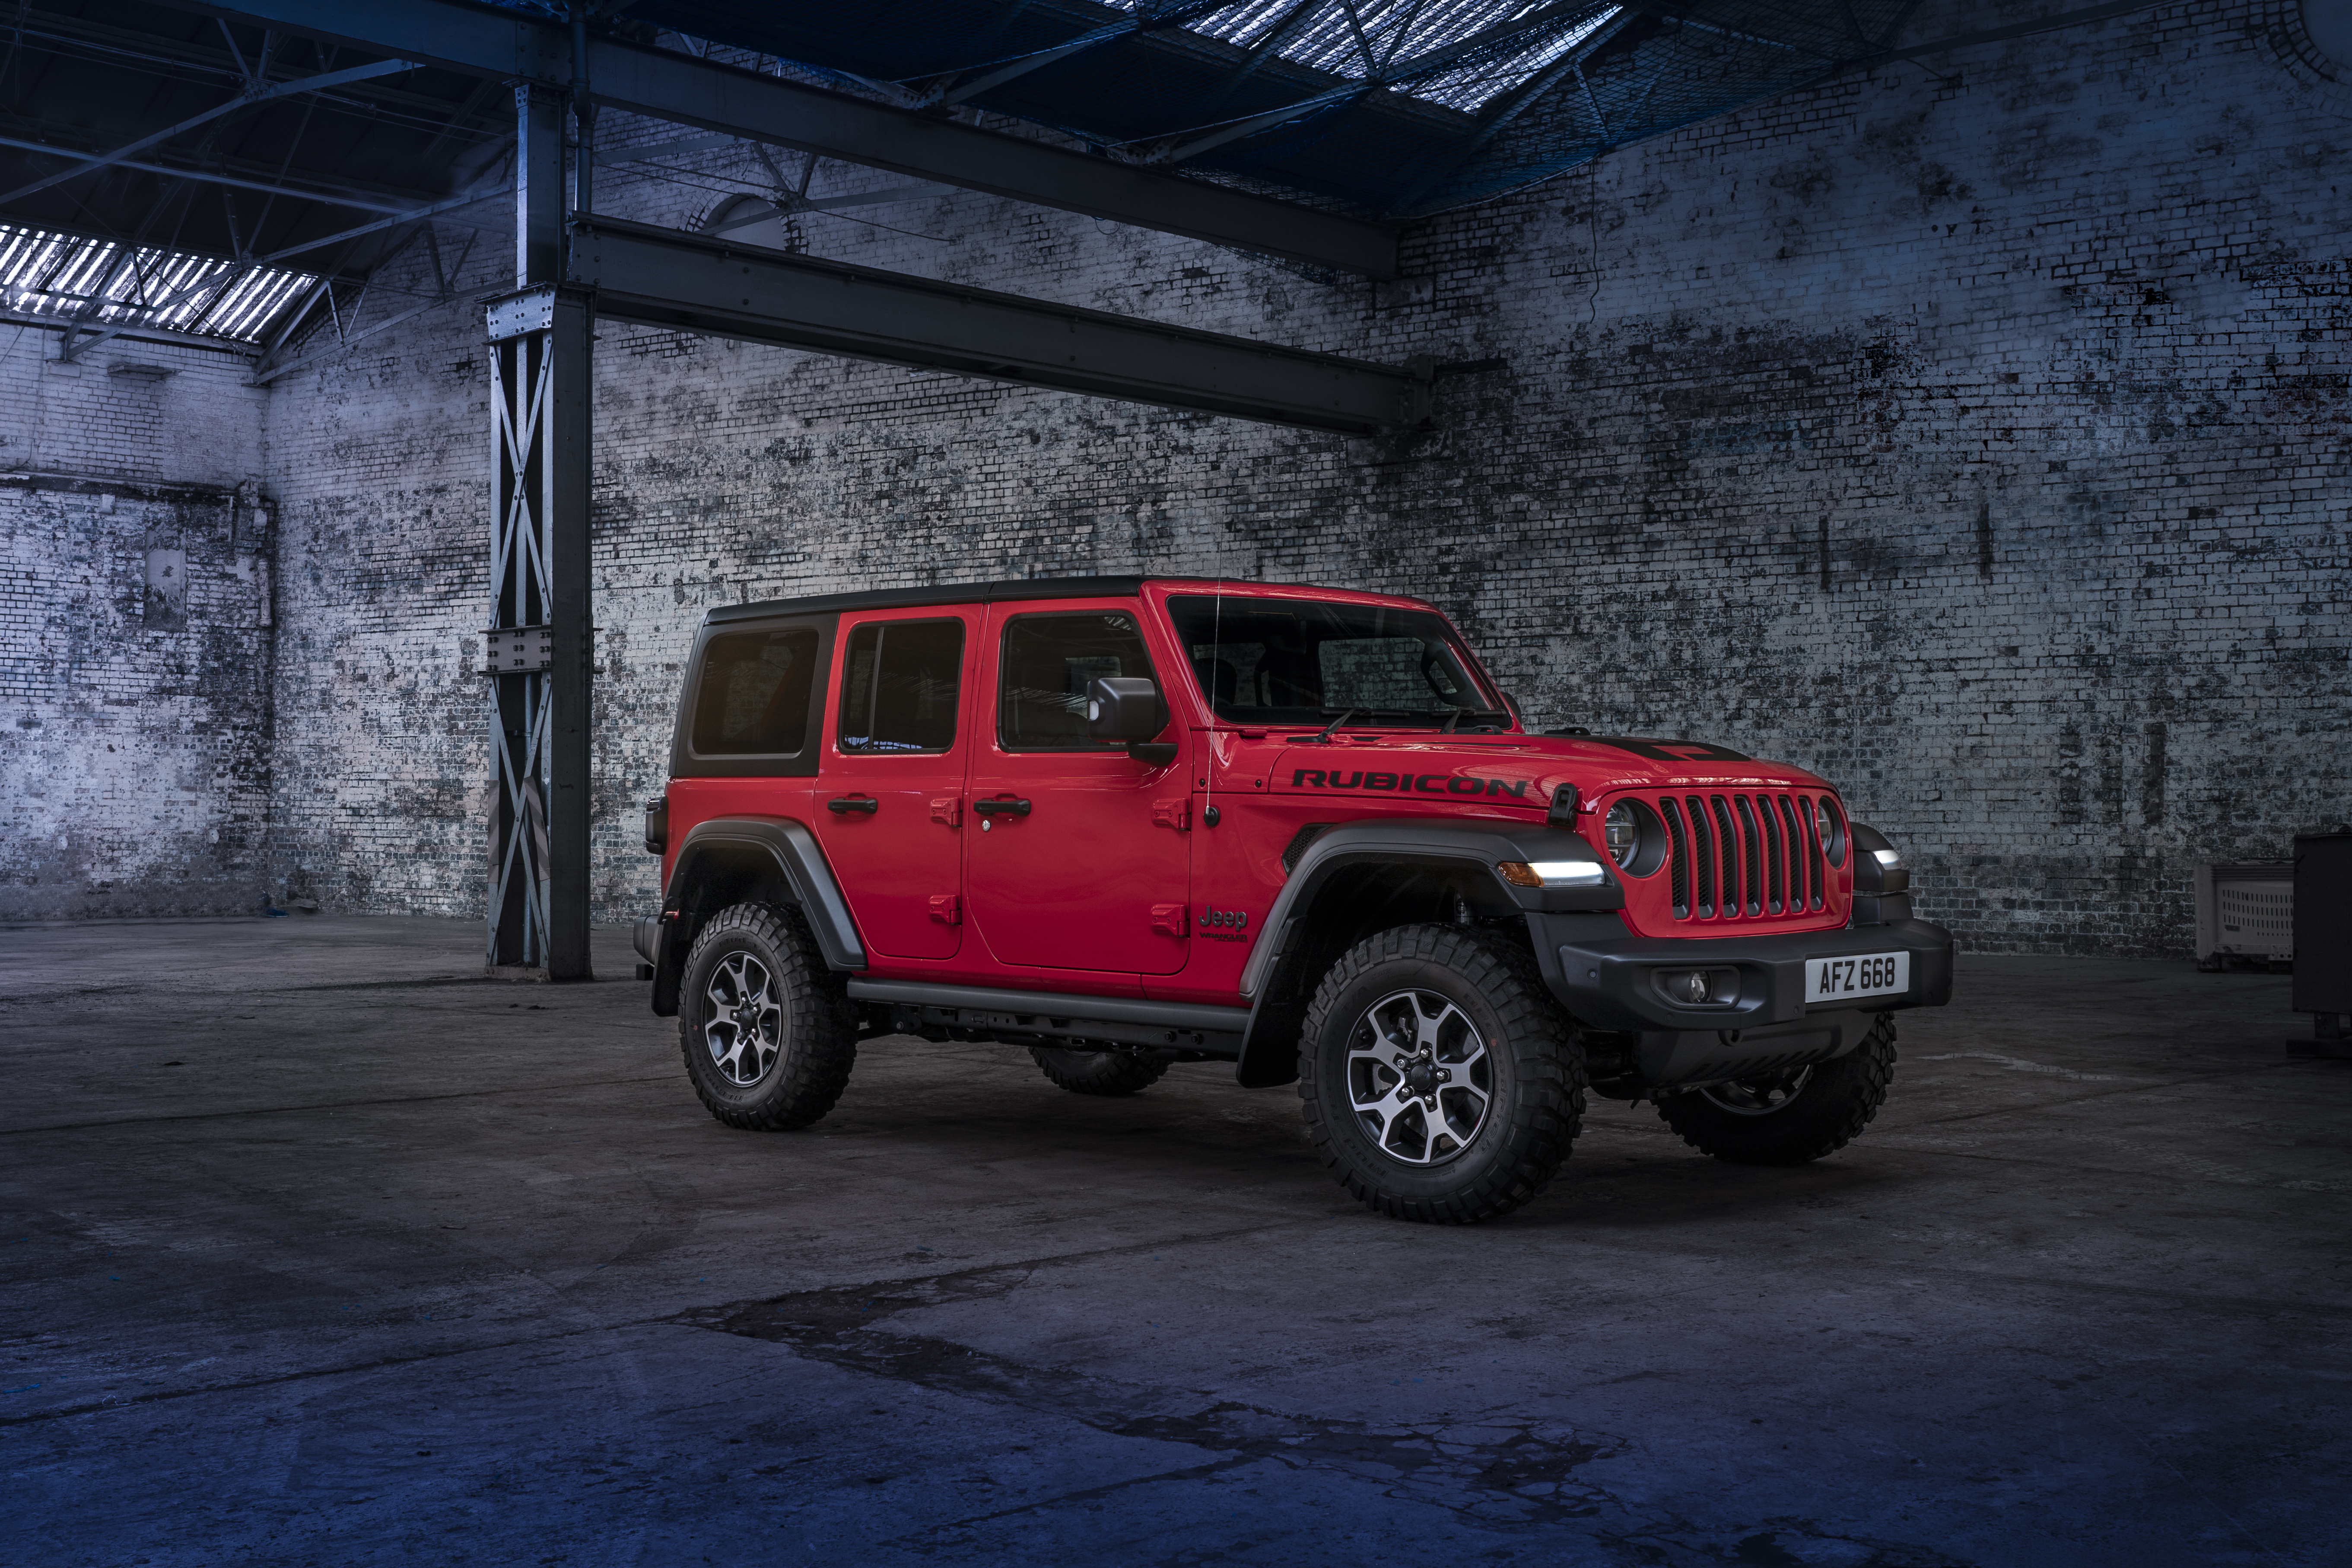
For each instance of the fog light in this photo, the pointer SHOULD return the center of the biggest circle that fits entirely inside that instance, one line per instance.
(1689, 985)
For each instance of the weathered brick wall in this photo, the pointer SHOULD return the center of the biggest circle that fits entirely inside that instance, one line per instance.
(1971, 431)
(133, 773)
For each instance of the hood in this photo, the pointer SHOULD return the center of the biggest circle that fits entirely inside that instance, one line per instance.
(1518, 770)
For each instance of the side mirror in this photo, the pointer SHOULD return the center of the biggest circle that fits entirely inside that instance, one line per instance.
(1121, 708)
(1129, 708)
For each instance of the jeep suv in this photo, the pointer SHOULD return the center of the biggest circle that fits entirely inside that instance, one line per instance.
(1126, 822)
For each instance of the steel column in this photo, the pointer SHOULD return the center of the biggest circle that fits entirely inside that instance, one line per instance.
(540, 643)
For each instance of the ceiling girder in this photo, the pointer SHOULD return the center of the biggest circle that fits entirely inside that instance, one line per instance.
(664, 85)
(259, 95)
(702, 283)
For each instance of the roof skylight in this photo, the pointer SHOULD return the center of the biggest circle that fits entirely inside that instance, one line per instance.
(103, 283)
(1383, 38)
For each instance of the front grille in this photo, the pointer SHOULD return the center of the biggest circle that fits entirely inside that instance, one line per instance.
(1742, 856)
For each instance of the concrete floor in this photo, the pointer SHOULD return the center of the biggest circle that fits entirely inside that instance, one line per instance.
(320, 1249)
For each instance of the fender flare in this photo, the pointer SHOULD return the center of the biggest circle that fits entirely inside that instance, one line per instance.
(801, 862)
(1270, 979)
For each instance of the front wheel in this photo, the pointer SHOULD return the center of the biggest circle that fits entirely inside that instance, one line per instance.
(1442, 1082)
(1790, 1118)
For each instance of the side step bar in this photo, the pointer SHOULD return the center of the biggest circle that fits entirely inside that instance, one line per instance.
(1025, 1017)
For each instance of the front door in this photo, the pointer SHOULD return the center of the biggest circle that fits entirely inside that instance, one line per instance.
(1091, 875)
(888, 800)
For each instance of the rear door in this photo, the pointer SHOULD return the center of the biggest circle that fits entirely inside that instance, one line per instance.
(1091, 874)
(889, 805)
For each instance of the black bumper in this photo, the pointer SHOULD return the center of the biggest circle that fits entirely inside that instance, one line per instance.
(1609, 980)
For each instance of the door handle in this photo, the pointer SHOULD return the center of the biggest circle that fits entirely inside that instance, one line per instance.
(847, 804)
(1005, 807)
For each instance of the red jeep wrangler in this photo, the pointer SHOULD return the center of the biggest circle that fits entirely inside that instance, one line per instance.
(1127, 822)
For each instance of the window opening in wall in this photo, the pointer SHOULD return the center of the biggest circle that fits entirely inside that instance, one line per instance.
(2329, 23)
(899, 685)
(1386, 39)
(103, 284)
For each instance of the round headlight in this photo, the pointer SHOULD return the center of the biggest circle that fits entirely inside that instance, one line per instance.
(1831, 831)
(1621, 831)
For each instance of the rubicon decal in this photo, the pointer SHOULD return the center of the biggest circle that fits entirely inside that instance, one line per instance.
(1407, 783)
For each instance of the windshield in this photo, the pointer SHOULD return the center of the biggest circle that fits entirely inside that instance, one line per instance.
(1289, 661)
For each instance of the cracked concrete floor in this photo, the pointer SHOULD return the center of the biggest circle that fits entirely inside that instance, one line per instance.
(320, 1249)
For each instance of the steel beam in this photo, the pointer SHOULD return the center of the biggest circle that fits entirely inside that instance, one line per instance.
(253, 94)
(541, 376)
(705, 283)
(664, 85)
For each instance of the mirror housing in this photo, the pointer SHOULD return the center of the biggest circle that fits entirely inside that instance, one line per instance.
(1129, 708)
(1121, 708)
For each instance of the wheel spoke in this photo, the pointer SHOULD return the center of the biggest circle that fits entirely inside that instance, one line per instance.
(744, 1024)
(1417, 1071)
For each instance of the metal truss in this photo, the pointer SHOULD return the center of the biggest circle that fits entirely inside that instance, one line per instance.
(255, 94)
(705, 283)
(664, 85)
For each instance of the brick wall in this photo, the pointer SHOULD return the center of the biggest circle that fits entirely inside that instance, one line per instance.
(1972, 431)
(133, 770)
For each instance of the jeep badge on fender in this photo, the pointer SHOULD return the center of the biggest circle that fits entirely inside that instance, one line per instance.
(945, 812)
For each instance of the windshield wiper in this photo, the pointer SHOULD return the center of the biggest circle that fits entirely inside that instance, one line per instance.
(1325, 737)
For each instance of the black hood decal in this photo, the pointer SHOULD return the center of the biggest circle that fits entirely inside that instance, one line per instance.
(1670, 751)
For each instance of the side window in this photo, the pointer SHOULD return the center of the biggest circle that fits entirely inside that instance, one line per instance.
(1049, 661)
(898, 686)
(755, 694)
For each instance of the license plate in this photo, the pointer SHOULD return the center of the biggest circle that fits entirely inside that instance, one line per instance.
(1864, 974)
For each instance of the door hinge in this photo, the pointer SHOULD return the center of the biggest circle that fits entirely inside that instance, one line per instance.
(1176, 813)
(948, 809)
(947, 909)
(1168, 919)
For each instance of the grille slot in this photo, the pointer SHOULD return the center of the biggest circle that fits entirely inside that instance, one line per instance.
(1703, 842)
(1753, 842)
(1677, 857)
(1742, 856)
(1726, 857)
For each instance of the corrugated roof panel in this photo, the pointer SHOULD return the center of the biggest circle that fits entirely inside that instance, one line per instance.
(1375, 38)
(1392, 108)
(103, 283)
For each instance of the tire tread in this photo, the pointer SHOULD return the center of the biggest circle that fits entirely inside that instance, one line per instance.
(820, 1038)
(1097, 1072)
(1548, 1065)
(1858, 1084)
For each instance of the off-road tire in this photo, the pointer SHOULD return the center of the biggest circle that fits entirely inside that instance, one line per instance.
(1099, 1072)
(1835, 1103)
(815, 1037)
(1535, 1079)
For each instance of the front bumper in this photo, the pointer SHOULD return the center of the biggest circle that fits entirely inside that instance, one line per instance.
(1610, 981)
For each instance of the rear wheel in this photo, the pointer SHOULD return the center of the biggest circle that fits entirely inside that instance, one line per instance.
(1788, 1118)
(1441, 1082)
(1099, 1072)
(767, 1030)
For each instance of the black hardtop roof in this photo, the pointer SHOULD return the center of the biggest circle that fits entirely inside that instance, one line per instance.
(974, 593)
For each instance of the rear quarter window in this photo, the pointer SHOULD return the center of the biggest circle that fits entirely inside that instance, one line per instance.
(755, 694)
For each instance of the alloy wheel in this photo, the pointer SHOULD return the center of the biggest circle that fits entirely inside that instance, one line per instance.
(1418, 1078)
(744, 1025)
